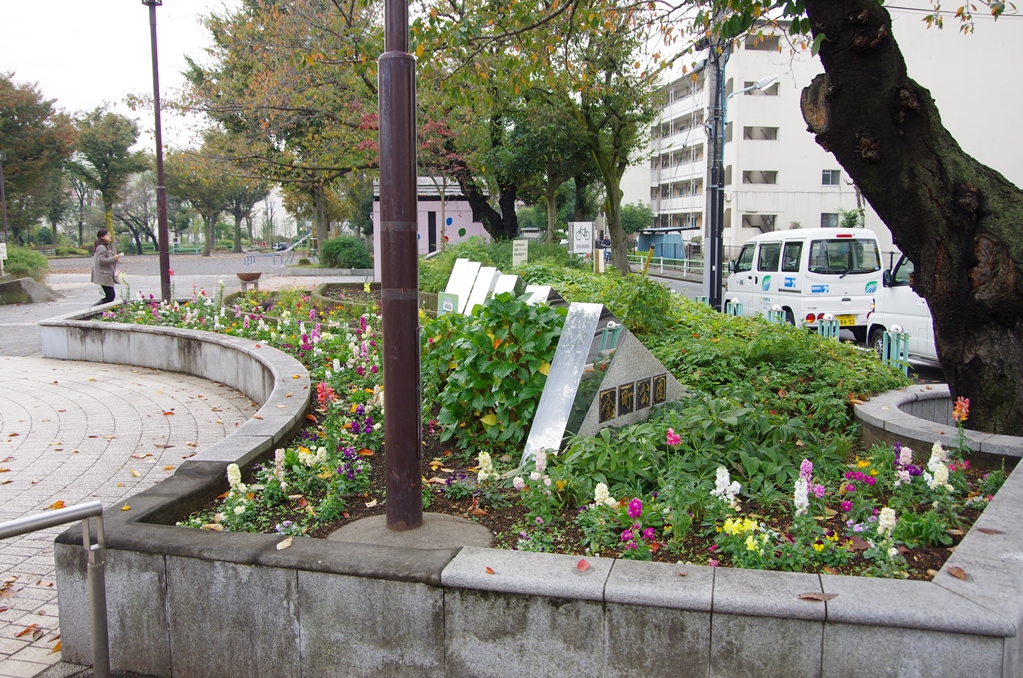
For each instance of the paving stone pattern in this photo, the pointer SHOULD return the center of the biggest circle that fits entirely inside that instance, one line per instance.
(74, 432)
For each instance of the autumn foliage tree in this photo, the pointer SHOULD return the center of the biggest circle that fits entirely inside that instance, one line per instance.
(37, 140)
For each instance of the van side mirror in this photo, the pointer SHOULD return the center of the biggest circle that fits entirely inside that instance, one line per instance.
(886, 278)
(731, 267)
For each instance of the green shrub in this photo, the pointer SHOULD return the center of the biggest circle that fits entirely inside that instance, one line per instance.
(345, 252)
(435, 271)
(792, 371)
(25, 263)
(493, 370)
(71, 252)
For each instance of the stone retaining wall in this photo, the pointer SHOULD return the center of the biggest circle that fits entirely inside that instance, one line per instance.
(196, 603)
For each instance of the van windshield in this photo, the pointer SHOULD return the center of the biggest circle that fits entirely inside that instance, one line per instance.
(839, 256)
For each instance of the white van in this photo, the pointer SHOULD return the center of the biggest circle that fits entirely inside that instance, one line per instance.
(809, 273)
(897, 304)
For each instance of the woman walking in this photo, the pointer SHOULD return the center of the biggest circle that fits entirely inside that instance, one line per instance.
(104, 265)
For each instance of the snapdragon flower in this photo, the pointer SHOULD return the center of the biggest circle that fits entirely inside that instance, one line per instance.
(724, 488)
(799, 497)
(601, 496)
(886, 522)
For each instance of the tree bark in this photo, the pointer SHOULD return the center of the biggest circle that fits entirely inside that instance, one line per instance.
(957, 220)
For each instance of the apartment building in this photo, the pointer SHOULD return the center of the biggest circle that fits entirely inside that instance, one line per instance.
(775, 175)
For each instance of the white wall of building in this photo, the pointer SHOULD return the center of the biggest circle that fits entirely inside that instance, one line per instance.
(965, 74)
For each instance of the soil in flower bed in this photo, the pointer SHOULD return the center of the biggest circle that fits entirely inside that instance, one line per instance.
(443, 463)
(352, 295)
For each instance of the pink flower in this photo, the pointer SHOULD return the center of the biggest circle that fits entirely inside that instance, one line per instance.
(818, 491)
(518, 483)
(806, 469)
(850, 488)
(648, 534)
(673, 438)
(713, 548)
(712, 562)
(635, 508)
(870, 480)
(627, 535)
(846, 506)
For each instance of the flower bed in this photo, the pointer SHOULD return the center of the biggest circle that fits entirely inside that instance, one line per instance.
(837, 518)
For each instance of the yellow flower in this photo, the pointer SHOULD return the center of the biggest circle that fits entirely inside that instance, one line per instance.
(751, 543)
(862, 463)
(873, 471)
(818, 547)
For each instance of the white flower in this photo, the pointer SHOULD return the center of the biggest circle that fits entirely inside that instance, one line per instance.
(938, 476)
(486, 467)
(937, 451)
(886, 522)
(336, 364)
(724, 487)
(547, 481)
(321, 455)
(518, 483)
(326, 375)
(892, 552)
(906, 456)
(799, 497)
(534, 476)
(541, 461)
(601, 496)
(238, 510)
(234, 475)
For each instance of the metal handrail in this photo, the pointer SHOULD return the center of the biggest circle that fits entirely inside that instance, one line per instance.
(97, 579)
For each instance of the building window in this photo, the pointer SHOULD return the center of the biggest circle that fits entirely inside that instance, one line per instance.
(759, 177)
(829, 220)
(762, 43)
(760, 133)
(762, 222)
(831, 177)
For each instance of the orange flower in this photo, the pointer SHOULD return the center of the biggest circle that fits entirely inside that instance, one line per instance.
(962, 410)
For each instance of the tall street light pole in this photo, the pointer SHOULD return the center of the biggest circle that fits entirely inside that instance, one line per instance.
(716, 187)
(3, 198)
(161, 190)
(403, 429)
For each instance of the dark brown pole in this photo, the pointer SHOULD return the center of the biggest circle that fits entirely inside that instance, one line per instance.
(3, 198)
(161, 191)
(403, 429)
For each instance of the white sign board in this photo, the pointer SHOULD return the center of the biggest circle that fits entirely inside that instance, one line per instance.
(3, 251)
(520, 252)
(582, 237)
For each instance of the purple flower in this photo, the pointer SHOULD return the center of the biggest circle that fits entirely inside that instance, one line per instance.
(806, 469)
(648, 534)
(846, 506)
(870, 480)
(539, 520)
(360, 371)
(360, 410)
(631, 546)
(373, 369)
(818, 491)
(627, 535)
(850, 488)
(635, 508)
(356, 428)
(914, 470)
(858, 527)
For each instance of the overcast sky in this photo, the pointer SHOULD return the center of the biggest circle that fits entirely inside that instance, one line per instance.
(86, 52)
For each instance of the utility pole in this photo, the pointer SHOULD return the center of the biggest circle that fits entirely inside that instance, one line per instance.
(161, 190)
(715, 207)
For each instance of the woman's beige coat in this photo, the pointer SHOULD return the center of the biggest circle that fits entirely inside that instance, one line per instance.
(103, 265)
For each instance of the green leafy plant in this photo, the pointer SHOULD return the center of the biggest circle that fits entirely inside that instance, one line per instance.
(498, 367)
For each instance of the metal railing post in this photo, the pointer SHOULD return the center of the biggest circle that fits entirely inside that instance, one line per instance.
(895, 350)
(95, 573)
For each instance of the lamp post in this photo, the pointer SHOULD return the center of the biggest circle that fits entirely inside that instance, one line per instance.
(3, 197)
(161, 190)
(399, 267)
(718, 118)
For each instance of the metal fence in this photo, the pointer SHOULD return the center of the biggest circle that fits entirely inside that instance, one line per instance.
(688, 267)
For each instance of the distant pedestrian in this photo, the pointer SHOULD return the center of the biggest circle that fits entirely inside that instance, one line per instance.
(104, 265)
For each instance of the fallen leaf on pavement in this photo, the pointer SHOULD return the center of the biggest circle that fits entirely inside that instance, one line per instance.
(490, 570)
(817, 596)
(27, 630)
(371, 504)
(168, 413)
(958, 573)
(56, 648)
(125, 508)
(134, 473)
(284, 544)
(582, 565)
(55, 505)
(168, 467)
(212, 526)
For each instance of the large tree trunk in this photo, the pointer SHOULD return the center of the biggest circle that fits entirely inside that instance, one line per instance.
(237, 231)
(208, 222)
(552, 212)
(957, 220)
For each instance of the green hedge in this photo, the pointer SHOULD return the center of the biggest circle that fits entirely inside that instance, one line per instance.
(345, 252)
(25, 263)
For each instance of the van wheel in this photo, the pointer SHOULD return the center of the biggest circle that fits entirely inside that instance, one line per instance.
(877, 340)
